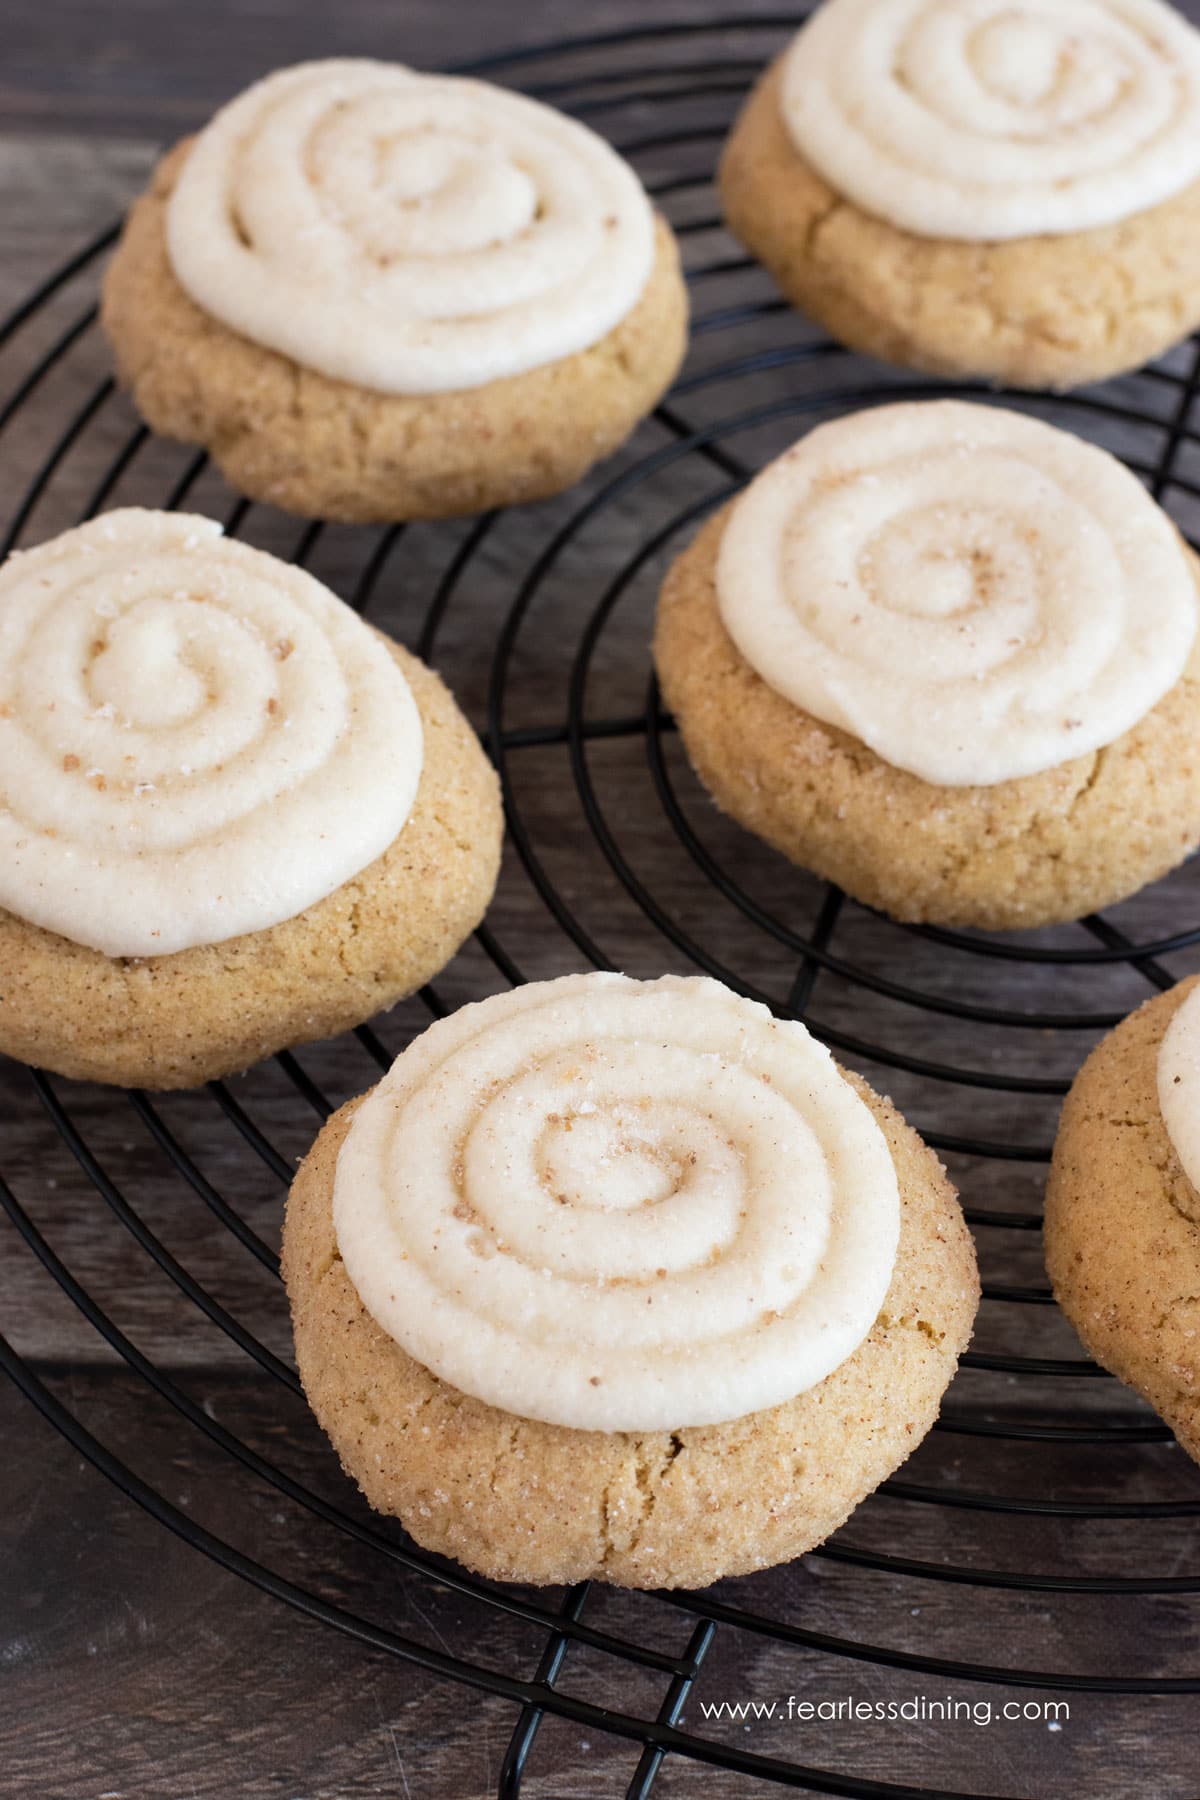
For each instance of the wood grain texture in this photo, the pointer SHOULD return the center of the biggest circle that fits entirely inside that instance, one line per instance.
(133, 1666)
(144, 69)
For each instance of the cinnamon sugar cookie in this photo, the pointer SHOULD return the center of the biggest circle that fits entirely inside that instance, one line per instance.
(1123, 1210)
(232, 816)
(997, 190)
(945, 656)
(378, 295)
(623, 1280)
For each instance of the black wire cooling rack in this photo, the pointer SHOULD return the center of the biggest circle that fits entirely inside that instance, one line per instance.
(1049, 1515)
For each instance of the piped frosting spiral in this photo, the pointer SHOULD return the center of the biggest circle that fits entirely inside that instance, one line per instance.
(408, 233)
(619, 1205)
(992, 119)
(970, 592)
(196, 740)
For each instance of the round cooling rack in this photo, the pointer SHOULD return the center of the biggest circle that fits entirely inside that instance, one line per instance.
(1041, 1546)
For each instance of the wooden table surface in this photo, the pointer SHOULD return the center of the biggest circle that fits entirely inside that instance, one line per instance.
(136, 1668)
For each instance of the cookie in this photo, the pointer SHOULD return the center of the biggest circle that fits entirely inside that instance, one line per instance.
(413, 297)
(704, 1289)
(1122, 1224)
(915, 657)
(918, 180)
(235, 818)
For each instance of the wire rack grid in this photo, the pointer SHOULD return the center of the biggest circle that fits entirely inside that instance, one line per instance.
(1043, 1478)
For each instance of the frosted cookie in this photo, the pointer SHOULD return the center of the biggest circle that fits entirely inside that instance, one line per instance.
(232, 816)
(945, 656)
(1001, 188)
(623, 1279)
(376, 295)
(1123, 1206)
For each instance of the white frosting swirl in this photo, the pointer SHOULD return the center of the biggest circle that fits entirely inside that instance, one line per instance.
(196, 740)
(989, 119)
(409, 233)
(1179, 1085)
(970, 592)
(619, 1205)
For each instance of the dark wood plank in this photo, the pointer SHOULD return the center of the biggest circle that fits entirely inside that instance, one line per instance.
(148, 69)
(145, 69)
(133, 1666)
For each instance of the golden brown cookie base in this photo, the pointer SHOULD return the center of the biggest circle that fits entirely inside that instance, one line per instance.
(1123, 1223)
(327, 449)
(174, 1021)
(522, 1501)
(1043, 312)
(1034, 851)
